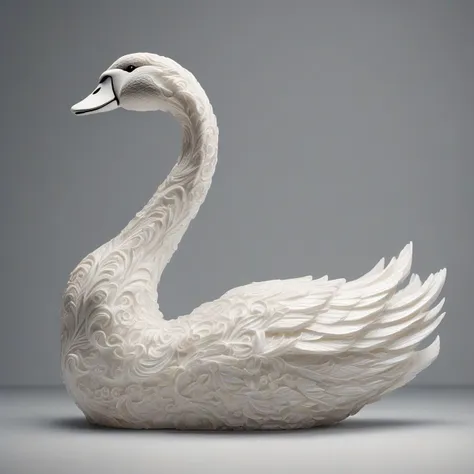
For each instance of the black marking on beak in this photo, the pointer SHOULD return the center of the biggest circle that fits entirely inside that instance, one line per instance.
(102, 79)
(80, 112)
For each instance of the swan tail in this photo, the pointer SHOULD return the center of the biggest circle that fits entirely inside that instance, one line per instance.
(419, 361)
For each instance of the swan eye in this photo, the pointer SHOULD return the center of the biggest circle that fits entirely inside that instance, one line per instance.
(130, 68)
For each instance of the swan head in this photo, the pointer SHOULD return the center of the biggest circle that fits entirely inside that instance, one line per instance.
(140, 81)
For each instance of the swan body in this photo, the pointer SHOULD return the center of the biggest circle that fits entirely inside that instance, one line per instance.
(279, 354)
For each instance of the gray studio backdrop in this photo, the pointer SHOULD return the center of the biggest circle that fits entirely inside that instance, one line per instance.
(347, 130)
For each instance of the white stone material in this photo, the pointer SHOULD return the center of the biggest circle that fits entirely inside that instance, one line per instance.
(279, 354)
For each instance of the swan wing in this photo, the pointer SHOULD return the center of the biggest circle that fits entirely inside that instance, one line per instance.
(374, 313)
(324, 317)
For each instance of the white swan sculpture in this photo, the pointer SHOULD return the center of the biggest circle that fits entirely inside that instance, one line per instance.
(278, 354)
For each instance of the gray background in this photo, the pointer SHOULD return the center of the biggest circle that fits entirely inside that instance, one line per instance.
(347, 129)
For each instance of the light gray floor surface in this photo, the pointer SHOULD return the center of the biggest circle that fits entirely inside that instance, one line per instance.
(413, 430)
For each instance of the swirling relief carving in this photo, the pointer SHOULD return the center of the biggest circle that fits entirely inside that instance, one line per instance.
(270, 355)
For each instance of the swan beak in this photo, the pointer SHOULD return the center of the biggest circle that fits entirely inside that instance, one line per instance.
(102, 99)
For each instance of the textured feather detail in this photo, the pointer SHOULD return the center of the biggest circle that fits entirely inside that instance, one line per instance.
(279, 354)
(335, 317)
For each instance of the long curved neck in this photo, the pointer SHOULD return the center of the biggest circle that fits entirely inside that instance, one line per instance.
(154, 233)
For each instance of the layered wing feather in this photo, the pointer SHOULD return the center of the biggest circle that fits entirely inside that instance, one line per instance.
(373, 313)
(360, 334)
